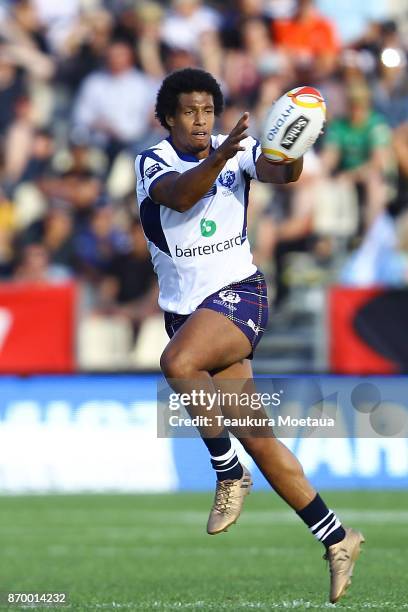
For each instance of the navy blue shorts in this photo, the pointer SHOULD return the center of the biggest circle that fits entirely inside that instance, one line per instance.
(245, 303)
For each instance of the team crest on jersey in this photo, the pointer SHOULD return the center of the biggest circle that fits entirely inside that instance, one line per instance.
(229, 296)
(227, 178)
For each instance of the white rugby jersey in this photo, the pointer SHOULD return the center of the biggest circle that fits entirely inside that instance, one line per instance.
(199, 251)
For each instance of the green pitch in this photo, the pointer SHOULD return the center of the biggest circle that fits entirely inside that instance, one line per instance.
(152, 553)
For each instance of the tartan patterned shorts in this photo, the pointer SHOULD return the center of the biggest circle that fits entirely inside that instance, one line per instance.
(245, 303)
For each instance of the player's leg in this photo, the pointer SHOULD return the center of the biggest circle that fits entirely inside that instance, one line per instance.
(224, 329)
(207, 341)
(285, 474)
(277, 463)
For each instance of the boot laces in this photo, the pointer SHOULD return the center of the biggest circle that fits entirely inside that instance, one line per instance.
(222, 495)
(340, 554)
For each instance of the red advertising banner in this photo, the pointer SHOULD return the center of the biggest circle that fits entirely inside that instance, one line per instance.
(37, 328)
(349, 351)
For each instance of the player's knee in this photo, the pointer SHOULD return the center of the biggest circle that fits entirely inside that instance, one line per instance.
(177, 364)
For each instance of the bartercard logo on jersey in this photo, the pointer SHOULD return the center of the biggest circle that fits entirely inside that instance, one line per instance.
(281, 120)
(210, 249)
(153, 170)
(227, 178)
(294, 131)
(230, 296)
(207, 227)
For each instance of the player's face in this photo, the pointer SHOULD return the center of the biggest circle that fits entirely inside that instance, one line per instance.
(192, 123)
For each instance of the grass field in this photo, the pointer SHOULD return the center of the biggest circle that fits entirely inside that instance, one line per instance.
(151, 552)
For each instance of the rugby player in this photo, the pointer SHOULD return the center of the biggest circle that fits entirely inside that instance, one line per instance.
(192, 189)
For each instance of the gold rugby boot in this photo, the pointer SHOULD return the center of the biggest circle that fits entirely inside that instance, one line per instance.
(228, 502)
(342, 557)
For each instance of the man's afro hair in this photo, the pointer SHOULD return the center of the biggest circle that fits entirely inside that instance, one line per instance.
(185, 81)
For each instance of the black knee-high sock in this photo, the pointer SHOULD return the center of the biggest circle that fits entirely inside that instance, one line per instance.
(322, 522)
(224, 458)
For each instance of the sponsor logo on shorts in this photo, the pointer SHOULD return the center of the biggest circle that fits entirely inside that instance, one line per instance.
(207, 227)
(229, 296)
(225, 304)
(253, 326)
(294, 131)
(153, 170)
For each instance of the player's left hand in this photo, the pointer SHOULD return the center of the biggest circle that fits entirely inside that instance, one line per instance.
(231, 145)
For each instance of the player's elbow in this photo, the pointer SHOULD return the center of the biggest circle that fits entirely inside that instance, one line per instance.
(181, 207)
(285, 177)
(293, 178)
(173, 199)
(184, 205)
(293, 171)
(181, 202)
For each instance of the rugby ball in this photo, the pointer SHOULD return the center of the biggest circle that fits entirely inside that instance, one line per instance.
(293, 124)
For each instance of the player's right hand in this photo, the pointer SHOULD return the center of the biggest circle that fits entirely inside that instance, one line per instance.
(231, 145)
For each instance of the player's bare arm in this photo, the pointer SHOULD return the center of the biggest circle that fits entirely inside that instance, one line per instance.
(181, 191)
(279, 173)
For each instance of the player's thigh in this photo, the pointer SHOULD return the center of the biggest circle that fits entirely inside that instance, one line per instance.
(206, 341)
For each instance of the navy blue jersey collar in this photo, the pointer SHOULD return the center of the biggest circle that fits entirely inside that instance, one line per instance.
(185, 156)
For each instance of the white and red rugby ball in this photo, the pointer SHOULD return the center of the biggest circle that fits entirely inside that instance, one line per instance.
(293, 124)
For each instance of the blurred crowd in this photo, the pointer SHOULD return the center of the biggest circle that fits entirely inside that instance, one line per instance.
(78, 81)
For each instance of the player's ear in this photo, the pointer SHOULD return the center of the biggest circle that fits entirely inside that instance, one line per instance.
(170, 121)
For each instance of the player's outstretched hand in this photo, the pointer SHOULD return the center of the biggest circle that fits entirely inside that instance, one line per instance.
(231, 145)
